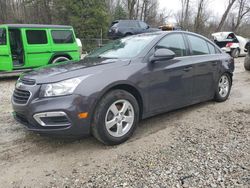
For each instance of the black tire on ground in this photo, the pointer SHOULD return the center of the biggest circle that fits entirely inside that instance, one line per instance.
(98, 126)
(128, 34)
(235, 53)
(247, 63)
(218, 97)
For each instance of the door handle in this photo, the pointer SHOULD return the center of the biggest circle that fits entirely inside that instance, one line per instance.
(186, 69)
(214, 63)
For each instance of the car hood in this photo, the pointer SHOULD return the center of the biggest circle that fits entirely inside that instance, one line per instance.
(72, 69)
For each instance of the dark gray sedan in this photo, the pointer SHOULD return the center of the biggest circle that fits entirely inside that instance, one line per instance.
(108, 92)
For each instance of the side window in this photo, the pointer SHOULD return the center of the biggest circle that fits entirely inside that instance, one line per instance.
(174, 42)
(62, 36)
(129, 23)
(143, 25)
(3, 40)
(211, 48)
(36, 37)
(198, 45)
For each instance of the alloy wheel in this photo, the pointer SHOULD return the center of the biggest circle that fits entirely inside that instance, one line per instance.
(224, 85)
(119, 118)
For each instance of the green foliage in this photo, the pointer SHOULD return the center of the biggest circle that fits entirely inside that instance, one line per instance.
(88, 17)
(119, 13)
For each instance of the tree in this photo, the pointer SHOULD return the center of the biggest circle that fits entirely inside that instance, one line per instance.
(243, 10)
(224, 17)
(119, 13)
(201, 17)
(185, 14)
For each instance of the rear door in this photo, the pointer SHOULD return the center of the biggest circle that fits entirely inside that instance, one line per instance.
(205, 63)
(37, 47)
(5, 53)
(64, 42)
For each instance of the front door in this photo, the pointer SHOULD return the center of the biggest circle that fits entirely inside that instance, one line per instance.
(171, 81)
(5, 53)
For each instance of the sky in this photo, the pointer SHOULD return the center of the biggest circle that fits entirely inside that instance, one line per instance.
(217, 7)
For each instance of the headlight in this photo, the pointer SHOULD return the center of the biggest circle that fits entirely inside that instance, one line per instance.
(65, 87)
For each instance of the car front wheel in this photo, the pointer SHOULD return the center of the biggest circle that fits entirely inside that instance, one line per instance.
(115, 118)
(223, 88)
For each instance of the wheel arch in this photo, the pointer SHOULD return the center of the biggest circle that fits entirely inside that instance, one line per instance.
(56, 55)
(126, 87)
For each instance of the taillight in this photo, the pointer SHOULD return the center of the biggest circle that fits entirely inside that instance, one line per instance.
(115, 29)
(229, 44)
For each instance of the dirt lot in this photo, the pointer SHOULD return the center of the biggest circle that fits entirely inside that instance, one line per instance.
(206, 145)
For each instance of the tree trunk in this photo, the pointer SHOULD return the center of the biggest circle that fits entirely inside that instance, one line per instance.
(224, 17)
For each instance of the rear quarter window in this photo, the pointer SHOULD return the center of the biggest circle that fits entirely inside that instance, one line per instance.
(62, 36)
(198, 45)
(212, 48)
(3, 40)
(36, 36)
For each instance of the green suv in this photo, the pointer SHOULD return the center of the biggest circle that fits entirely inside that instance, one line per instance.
(29, 46)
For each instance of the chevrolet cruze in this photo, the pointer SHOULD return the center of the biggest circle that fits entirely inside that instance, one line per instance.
(108, 92)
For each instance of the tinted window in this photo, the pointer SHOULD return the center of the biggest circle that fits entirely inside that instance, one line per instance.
(128, 23)
(211, 48)
(128, 47)
(36, 37)
(143, 25)
(62, 37)
(198, 45)
(2, 36)
(174, 42)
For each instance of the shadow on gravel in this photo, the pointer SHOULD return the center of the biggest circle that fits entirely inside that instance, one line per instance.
(12, 78)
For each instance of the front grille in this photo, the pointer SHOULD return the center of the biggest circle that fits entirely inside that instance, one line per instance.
(21, 96)
(26, 81)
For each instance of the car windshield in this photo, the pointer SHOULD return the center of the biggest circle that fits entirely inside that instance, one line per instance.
(128, 47)
(2, 36)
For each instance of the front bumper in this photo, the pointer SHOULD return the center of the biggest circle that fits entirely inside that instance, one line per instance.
(70, 105)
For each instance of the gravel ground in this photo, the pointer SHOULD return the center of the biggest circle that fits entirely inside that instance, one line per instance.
(206, 145)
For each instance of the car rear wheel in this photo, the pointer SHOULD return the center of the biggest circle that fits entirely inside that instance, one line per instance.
(223, 88)
(115, 118)
(59, 60)
(235, 53)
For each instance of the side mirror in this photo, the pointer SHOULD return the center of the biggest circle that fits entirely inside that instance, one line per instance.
(162, 54)
(148, 26)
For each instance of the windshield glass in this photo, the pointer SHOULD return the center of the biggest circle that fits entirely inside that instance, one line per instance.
(2, 36)
(128, 47)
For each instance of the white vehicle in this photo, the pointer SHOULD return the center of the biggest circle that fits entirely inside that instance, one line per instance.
(79, 44)
(230, 43)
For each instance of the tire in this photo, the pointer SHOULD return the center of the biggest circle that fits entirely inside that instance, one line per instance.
(112, 103)
(235, 53)
(223, 88)
(59, 60)
(247, 63)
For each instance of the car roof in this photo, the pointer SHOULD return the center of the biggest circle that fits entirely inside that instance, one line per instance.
(37, 26)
